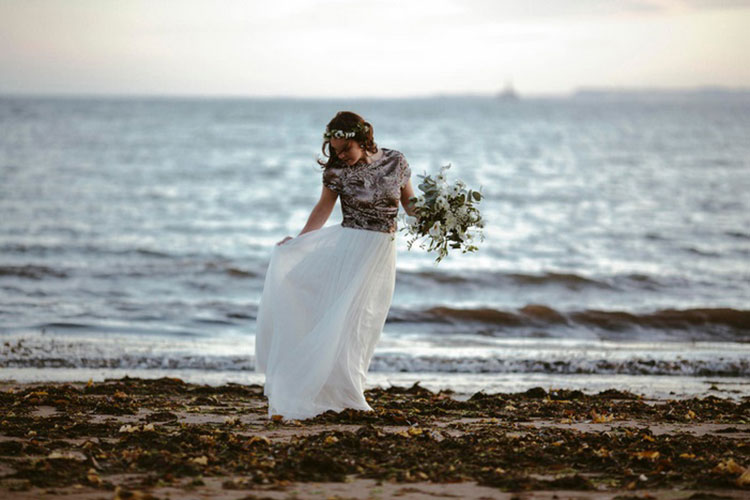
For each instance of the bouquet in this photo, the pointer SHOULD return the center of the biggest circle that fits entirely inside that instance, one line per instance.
(446, 214)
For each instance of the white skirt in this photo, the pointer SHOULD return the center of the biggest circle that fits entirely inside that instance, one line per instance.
(325, 299)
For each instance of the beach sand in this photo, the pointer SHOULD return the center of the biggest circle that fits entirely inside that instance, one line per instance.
(164, 438)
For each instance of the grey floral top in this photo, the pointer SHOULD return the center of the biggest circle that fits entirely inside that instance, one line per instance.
(370, 193)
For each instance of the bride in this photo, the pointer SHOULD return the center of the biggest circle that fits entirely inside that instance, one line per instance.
(327, 292)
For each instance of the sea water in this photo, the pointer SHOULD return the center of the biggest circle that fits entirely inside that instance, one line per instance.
(135, 234)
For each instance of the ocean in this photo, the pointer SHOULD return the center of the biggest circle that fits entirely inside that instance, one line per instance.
(135, 234)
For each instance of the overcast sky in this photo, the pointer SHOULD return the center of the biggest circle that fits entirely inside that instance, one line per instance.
(353, 48)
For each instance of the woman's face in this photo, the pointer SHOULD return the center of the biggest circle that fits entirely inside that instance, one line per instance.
(347, 150)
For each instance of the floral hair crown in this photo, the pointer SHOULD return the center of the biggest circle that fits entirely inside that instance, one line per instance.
(345, 134)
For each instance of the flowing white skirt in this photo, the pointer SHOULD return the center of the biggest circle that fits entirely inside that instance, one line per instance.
(324, 304)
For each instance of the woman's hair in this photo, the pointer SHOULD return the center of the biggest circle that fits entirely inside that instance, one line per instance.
(348, 121)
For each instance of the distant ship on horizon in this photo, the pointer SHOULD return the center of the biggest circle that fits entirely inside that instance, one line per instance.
(508, 93)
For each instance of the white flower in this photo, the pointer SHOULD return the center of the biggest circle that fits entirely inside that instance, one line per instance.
(435, 229)
(441, 176)
(441, 201)
(450, 221)
(339, 134)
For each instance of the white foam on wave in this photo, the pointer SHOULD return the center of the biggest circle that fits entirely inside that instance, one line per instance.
(403, 353)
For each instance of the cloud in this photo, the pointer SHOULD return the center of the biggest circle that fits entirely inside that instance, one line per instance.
(513, 9)
(718, 4)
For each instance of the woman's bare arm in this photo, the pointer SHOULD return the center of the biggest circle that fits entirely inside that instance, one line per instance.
(406, 193)
(321, 211)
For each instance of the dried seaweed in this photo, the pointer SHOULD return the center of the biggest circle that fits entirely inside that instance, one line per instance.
(161, 431)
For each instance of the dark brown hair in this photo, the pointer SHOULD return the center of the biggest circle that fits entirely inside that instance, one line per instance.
(347, 121)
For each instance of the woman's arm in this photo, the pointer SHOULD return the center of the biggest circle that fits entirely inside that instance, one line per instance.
(406, 193)
(321, 211)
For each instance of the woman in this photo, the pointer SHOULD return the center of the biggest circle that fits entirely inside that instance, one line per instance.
(327, 292)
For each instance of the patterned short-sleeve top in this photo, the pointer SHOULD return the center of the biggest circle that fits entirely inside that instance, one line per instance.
(370, 192)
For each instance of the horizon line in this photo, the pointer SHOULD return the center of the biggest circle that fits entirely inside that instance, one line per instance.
(708, 88)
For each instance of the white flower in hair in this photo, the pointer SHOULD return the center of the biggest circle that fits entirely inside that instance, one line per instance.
(345, 134)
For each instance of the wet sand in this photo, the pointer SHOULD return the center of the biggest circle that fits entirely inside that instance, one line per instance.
(164, 438)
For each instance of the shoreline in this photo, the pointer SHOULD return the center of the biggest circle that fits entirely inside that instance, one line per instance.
(464, 384)
(166, 437)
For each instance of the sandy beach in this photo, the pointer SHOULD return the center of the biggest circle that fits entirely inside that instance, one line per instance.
(164, 438)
